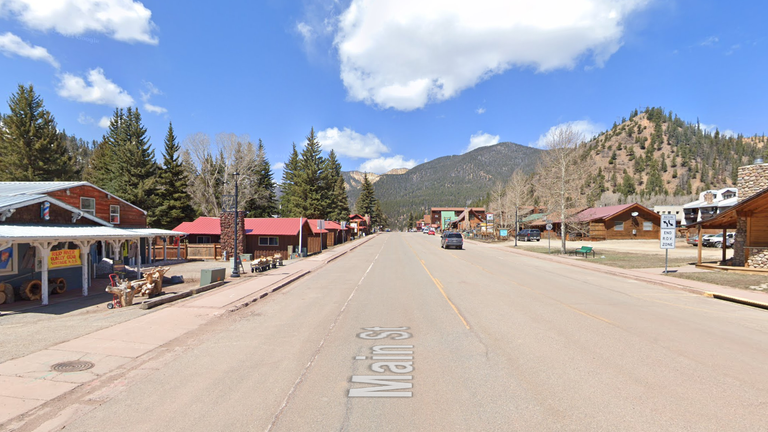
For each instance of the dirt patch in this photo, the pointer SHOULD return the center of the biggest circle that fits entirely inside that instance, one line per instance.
(735, 280)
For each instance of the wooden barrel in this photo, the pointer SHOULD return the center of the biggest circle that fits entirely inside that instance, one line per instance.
(7, 289)
(2, 297)
(57, 285)
(31, 290)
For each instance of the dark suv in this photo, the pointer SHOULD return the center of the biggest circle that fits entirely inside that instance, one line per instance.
(529, 235)
(452, 239)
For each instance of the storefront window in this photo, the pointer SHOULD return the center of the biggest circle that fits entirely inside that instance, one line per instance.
(619, 226)
(88, 205)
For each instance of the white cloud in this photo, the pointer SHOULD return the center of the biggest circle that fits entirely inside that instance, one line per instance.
(147, 95)
(404, 54)
(88, 120)
(481, 139)
(351, 144)
(480, 110)
(11, 44)
(123, 20)
(305, 30)
(384, 164)
(278, 166)
(712, 40)
(586, 128)
(100, 91)
(711, 128)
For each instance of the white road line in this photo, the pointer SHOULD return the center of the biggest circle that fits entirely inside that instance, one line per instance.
(322, 342)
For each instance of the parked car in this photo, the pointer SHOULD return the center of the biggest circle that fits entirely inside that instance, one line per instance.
(529, 235)
(431, 231)
(425, 230)
(693, 240)
(716, 240)
(452, 240)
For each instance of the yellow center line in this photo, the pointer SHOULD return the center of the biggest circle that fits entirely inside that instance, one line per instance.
(439, 285)
(537, 292)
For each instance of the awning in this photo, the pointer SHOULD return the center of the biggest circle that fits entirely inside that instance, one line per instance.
(27, 233)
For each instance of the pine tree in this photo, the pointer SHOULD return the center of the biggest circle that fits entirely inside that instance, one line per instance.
(338, 203)
(31, 147)
(174, 202)
(366, 202)
(135, 166)
(263, 203)
(102, 168)
(311, 188)
(289, 200)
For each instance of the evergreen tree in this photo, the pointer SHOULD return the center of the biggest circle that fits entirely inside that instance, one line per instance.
(338, 203)
(311, 180)
(366, 202)
(174, 202)
(102, 168)
(289, 200)
(263, 203)
(627, 187)
(31, 146)
(135, 166)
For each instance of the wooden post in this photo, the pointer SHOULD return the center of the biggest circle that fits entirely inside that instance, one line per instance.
(699, 242)
(84, 246)
(725, 242)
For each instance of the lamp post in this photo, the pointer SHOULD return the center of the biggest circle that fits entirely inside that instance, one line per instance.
(516, 219)
(236, 260)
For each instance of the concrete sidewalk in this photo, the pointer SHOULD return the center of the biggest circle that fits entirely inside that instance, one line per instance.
(751, 298)
(28, 382)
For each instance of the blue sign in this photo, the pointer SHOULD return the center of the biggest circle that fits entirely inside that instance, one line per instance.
(503, 232)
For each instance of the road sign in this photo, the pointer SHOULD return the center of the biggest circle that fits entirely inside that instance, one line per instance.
(549, 227)
(668, 224)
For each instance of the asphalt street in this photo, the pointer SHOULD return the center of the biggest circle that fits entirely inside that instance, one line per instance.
(400, 335)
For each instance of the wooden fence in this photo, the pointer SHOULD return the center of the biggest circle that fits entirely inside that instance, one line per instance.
(171, 252)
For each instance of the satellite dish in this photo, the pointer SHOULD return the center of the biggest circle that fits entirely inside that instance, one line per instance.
(635, 214)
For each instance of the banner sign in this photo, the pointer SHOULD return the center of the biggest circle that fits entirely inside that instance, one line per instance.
(64, 258)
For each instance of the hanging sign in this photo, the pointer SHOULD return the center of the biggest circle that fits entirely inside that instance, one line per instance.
(64, 258)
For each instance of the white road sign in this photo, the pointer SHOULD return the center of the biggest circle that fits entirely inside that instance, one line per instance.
(549, 227)
(668, 225)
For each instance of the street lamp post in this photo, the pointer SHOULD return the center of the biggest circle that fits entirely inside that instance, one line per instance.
(516, 226)
(236, 260)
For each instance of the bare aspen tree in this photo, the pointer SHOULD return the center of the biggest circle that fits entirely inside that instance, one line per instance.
(211, 168)
(497, 204)
(517, 195)
(560, 175)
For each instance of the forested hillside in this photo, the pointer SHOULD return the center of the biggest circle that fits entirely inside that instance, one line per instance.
(449, 180)
(656, 153)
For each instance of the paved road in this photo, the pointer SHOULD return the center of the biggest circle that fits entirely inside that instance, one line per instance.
(498, 342)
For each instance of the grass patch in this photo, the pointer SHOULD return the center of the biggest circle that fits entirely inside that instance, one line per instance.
(729, 279)
(625, 260)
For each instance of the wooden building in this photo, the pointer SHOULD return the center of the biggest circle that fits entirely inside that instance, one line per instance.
(203, 230)
(620, 222)
(267, 236)
(441, 217)
(58, 231)
(359, 225)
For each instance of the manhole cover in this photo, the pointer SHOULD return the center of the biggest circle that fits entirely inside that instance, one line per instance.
(72, 366)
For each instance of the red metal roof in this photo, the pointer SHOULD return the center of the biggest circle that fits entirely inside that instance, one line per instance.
(331, 225)
(313, 226)
(202, 225)
(273, 226)
(595, 213)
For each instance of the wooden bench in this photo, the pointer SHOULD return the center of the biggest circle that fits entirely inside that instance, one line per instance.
(584, 250)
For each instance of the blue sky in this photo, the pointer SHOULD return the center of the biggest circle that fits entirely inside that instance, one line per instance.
(389, 83)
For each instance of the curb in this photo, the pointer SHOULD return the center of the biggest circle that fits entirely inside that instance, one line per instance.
(149, 304)
(669, 284)
(270, 289)
(734, 299)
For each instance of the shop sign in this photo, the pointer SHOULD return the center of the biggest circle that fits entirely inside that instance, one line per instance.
(64, 258)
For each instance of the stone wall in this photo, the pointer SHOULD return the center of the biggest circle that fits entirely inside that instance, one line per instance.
(228, 232)
(752, 179)
(758, 258)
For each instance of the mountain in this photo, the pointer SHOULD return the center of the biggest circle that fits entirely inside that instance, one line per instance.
(448, 181)
(660, 155)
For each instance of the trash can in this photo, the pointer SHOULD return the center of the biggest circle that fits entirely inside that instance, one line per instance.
(290, 250)
(209, 276)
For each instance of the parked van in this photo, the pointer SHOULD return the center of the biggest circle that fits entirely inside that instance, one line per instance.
(529, 235)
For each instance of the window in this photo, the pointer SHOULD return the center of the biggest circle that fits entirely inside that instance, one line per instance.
(114, 214)
(203, 239)
(268, 241)
(618, 226)
(88, 205)
(9, 260)
(647, 226)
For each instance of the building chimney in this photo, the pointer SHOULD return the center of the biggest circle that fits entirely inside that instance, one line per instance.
(752, 179)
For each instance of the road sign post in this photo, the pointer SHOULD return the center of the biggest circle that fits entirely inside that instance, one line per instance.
(549, 237)
(668, 227)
